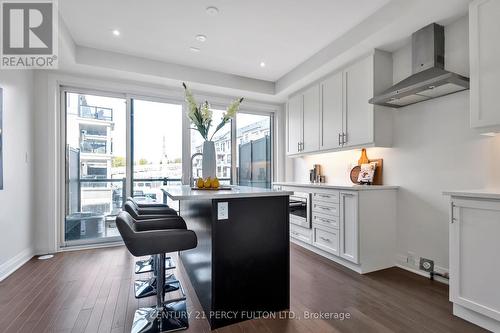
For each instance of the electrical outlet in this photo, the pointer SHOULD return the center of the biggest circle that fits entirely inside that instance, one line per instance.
(426, 265)
(222, 210)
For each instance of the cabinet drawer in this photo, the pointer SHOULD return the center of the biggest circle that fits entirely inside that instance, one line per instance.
(326, 239)
(300, 233)
(329, 221)
(325, 208)
(330, 197)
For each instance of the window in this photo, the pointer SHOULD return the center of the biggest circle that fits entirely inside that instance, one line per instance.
(222, 140)
(95, 167)
(253, 150)
(101, 152)
(157, 148)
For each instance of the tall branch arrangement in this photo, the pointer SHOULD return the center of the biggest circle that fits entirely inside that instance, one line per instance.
(201, 115)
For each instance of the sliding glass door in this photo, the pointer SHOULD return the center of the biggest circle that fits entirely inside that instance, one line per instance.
(96, 152)
(156, 149)
(117, 146)
(253, 150)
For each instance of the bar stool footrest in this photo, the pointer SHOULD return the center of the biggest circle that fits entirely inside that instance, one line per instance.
(147, 288)
(172, 317)
(146, 266)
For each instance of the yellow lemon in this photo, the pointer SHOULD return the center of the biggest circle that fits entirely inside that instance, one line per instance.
(200, 183)
(215, 183)
(208, 183)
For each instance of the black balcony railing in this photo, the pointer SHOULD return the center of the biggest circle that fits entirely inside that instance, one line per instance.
(90, 146)
(118, 189)
(96, 112)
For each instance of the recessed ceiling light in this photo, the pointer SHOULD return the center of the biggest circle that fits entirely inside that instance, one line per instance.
(194, 49)
(262, 64)
(201, 38)
(212, 11)
(116, 32)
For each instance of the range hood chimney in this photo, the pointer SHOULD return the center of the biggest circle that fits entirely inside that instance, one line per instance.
(429, 79)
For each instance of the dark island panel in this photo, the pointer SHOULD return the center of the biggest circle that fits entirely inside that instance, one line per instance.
(250, 260)
(198, 261)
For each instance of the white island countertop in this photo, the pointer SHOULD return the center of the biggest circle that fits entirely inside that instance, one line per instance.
(478, 193)
(185, 192)
(352, 187)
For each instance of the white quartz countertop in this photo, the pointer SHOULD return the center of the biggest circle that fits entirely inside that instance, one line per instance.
(479, 193)
(185, 192)
(339, 187)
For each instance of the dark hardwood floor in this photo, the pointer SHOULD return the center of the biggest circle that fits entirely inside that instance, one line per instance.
(91, 291)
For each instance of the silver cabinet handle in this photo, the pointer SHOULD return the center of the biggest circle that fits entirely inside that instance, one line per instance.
(323, 196)
(325, 239)
(298, 146)
(323, 219)
(324, 208)
(344, 138)
(340, 143)
(453, 219)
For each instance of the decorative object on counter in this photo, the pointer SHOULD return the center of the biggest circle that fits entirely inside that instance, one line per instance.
(209, 162)
(364, 158)
(379, 172)
(201, 118)
(312, 177)
(209, 184)
(355, 174)
(367, 173)
(315, 175)
(377, 176)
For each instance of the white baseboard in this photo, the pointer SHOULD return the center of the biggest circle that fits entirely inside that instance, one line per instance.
(476, 318)
(90, 246)
(11, 265)
(425, 274)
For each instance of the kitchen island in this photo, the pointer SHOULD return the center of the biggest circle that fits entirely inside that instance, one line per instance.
(241, 266)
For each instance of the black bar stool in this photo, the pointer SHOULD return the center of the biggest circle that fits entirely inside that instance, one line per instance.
(147, 205)
(165, 316)
(148, 287)
(149, 213)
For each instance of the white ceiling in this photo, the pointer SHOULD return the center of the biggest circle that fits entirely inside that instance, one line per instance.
(282, 33)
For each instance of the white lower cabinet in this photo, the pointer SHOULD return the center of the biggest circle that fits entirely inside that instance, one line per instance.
(474, 260)
(356, 228)
(349, 242)
(326, 239)
(300, 233)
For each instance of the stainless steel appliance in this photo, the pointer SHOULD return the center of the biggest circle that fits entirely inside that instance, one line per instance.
(300, 209)
(429, 79)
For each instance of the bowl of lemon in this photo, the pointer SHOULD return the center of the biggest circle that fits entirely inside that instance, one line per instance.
(209, 184)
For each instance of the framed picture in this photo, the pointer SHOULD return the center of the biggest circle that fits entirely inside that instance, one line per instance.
(1, 139)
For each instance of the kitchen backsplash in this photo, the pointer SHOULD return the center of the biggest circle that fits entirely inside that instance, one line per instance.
(336, 166)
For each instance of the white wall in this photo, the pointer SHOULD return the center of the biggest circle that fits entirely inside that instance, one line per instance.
(434, 150)
(16, 199)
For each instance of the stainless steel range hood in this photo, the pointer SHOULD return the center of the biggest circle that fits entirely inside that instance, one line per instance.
(429, 79)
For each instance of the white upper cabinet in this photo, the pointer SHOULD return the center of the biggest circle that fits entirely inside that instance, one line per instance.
(332, 112)
(310, 140)
(295, 120)
(336, 112)
(358, 120)
(484, 31)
